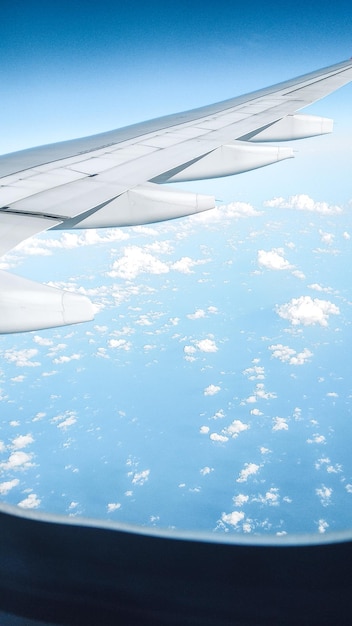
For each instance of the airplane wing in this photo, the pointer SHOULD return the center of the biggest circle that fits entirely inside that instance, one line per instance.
(118, 178)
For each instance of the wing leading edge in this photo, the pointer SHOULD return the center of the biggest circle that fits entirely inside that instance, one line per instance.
(118, 178)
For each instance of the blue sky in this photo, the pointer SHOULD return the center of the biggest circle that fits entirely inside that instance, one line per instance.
(70, 69)
(73, 69)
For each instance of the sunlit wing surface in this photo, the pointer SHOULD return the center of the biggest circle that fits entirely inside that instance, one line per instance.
(118, 178)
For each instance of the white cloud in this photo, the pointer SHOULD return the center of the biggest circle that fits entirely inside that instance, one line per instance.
(289, 355)
(198, 314)
(211, 390)
(271, 497)
(185, 265)
(218, 438)
(64, 420)
(234, 210)
(307, 311)
(189, 350)
(235, 428)
(17, 460)
(272, 260)
(22, 441)
(260, 394)
(22, 358)
(18, 379)
(322, 526)
(249, 470)
(324, 494)
(257, 372)
(317, 439)
(66, 359)
(320, 288)
(207, 345)
(113, 506)
(206, 470)
(256, 412)
(42, 341)
(280, 423)
(204, 430)
(346, 235)
(6, 486)
(137, 261)
(69, 241)
(31, 502)
(302, 202)
(233, 518)
(119, 344)
(218, 415)
(327, 238)
(139, 478)
(69, 421)
(240, 499)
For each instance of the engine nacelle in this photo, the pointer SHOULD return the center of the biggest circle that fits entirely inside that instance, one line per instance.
(294, 127)
(144, 204)
(227, 160)
(26, 305)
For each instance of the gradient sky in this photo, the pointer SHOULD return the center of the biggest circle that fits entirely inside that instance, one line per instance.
(71, 69)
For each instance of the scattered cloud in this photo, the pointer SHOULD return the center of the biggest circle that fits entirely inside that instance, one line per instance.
(211, 390)
(302, 202)
(233, 518)
(249, 470)
(22, 358)
(206, 470)
(22, 441)
(120, 344)
(327, 238)
(289, 355)
(31, 502)
(65, 420)
(6, 486)
(18, 379)
(17, 460)
(320, 288)
(234, 210)
(206, 345)
(317, 439)
(198, 314)
(66, 359)
(139, 478)
(256, 372)
(218, 438)
(113, 506)
(135, 261)
(273, 260)
(240, 499)
(235, 429)
(307, 311)
(324, 494)
(42, 341)
(271, 497)
(322, 526)
(186, 264)
(280, 423)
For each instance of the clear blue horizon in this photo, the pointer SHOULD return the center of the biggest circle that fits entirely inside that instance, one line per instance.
(74, 69)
